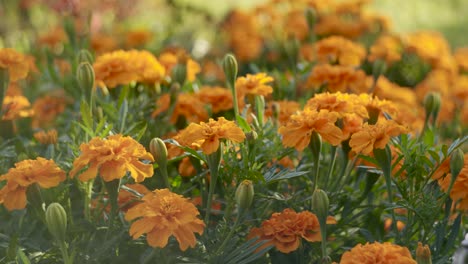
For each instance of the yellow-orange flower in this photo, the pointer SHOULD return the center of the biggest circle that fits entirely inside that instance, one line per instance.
(187, 105)
(207, 136)
(53, 37)
(387, 48)
(337, 78)
(27, 172)
(137, 38)
(46, 138)
(256, 84)
(382, 253)
(219, 98)
(282, 110)
(337, 49)
(111, 158)
(171, 58)
(341, 103)
(461, 57)
(102, 43)
(123, 67)
(376, 136)
(46, 109)
(16, 63)
(127, 200)
(297, 132)
(163, 214)
(284, 230)
(15, 107)
(459, 191)
(429, 45)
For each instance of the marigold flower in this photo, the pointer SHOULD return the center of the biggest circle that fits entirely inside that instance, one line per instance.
(112, 158)
(187, 105)
(137, 38)
(384, 253)
(53, 37)
(297, 132)
(429, 45)
(27, 172)
(207, 135)
(387, 48)
(282, 110)
(170, 59)
(127, 200)
(256, 84)
(16, 63)
(163, 214)
(296, 25)
(458, 192)
(102, 43)
(371, 137)
(123, 67)
(219, 98)
(341, 103)
(337, 78)
(461, 57)
(46, 109)
(284, 230)
(334, 24)
(337, 49)
(15, 107)
(46, 138)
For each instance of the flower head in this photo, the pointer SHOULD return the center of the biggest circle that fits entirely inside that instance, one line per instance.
(46, 109)
(207, 135)
(27, 172)
(370, 253)
(219, 98)
(163, 214)
(337, 78)
(337, 49)
(374, 136)
(387, 48)
(16, 63)
(46, 138)
(15, 107)
(253, 85)
(111, 158)
(285, 230)
(458, 192)
(297, 132)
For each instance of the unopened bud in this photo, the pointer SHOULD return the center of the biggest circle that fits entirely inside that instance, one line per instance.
(230, 68)
(244, 195)
(457, 161)
(84, 56)
(86, 77)
(320, 203)
(56, 220)
(251, 136)
(432, 105)
(423, 254)
(159, 151)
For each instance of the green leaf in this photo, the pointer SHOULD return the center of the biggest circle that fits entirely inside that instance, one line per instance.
(85, 111)
(243, 124)
(190, 151)
(273, 175)
(22, 258)
(123, 111)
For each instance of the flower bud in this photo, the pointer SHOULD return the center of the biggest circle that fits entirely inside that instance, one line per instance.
(320, 203)
(230, 69)
(311, 17)
(84, 56)
(159, 151)
(457, 161)
(56, 220)
(251, 136)
(244, 195)
(432, 105)
(423, 254)
(86, 77)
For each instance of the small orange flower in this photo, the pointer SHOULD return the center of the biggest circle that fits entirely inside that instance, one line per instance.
(297, 132)
(461, 57)
(282, 110)
(16, 63)
(337, 49)
(187, 105)
(370, 253)
(137, 38)
(15, 107)
(341, 103)
(429, 45)
(102, 43)
(53, 37)
(207, 135)
(46, 109)
(170, 59)
(219, 98)
(127, 200)
(46, 138)
(371, 137)
(296, 25)
(27, 172)
(254, 85)
(112, 158)
(284, 230)
(123, 67)
(387, 48)
(337, 78)
(163, 214)
(459, 192)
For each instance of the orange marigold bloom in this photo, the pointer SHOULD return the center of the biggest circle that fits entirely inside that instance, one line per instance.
(46, 109)
(170, 59)
(429, 45)
(102, 43)
(16, 63)
(15, 107)
(46, 138)
(187, 105)
(137, 38)
(296, 25)
(297, 132)
(337, 78)
(163, 214)
(334, 24)
(337, 49)
(282, 110)
(219, 98)
(374, 136)
(256, 84)
(27, 172)
(461, 57)
(285, 230)
(370, 253)
(123, 67)
(341, 103)
(112, 158)
(387, 48)
(127, 200)
(53, 37)
(207, 135)
(459, 192)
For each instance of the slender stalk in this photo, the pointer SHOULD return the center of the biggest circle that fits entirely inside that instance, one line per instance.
(332, 165)
(226, 240)
(213, 161)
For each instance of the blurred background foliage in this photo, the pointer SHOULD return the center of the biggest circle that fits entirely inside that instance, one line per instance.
(18, 26)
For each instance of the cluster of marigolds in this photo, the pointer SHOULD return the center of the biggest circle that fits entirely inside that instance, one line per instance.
(347, 108)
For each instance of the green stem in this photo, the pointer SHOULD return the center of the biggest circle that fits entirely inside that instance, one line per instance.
(213, 161)
(64, 251)
(332, 165)
(87, 199)
(233, 228)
